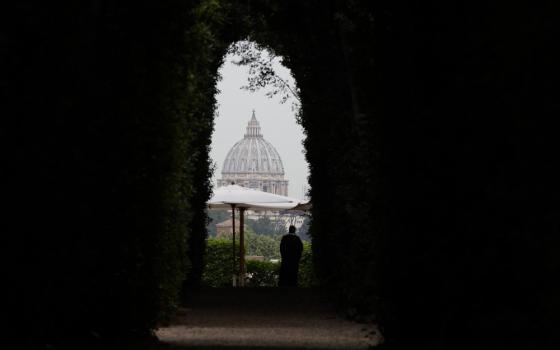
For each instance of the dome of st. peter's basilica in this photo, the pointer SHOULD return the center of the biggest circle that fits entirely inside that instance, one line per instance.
(253, 162)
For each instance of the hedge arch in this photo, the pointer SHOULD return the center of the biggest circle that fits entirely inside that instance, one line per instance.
(428, 137)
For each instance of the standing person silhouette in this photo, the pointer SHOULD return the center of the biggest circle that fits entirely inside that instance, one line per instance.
(290, 250)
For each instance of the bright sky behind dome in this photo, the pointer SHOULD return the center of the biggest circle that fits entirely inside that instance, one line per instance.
(277, 121)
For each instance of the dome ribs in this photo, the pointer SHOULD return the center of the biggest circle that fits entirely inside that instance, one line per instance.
(254, 162)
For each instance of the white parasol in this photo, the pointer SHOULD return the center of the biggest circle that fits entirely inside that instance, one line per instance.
(242, 198)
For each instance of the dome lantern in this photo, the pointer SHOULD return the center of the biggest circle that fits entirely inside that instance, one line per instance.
(253, 128)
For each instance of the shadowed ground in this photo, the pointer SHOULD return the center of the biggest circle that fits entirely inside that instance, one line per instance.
(263, 318)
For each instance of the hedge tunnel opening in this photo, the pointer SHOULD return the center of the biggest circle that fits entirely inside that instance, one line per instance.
(257, 143)
(430, 140)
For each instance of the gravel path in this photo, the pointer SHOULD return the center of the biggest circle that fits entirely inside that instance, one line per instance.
(263, 318)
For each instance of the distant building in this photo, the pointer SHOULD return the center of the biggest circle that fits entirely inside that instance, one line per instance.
(254, 163)
(224, 228)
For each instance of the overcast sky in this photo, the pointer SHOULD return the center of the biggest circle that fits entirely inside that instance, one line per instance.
(278, 123)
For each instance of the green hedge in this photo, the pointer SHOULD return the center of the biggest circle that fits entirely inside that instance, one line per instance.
(217, 271)
(267, 245)
(440, 175)
(116, 135)
(218, 263)
(307, 277)
(262, 273)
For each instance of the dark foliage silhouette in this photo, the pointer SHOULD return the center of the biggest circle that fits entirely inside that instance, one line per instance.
(430, 138)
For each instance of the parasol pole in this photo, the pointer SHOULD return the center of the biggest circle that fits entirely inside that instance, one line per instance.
(241, 247)
(233, 247)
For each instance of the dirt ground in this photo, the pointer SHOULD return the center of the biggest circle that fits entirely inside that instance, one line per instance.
(259, 318)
